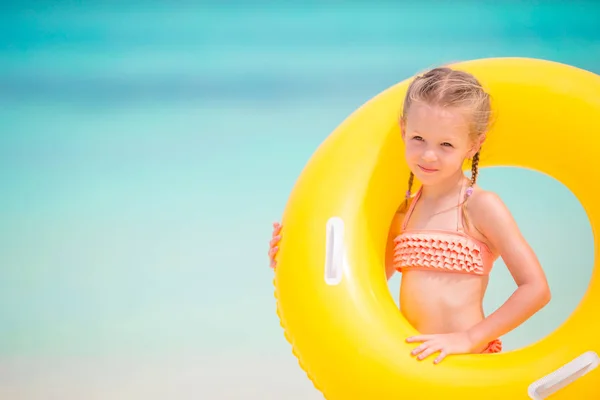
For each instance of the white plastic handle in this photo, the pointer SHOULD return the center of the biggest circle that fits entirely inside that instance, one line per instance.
(564, 376)
(334, 251)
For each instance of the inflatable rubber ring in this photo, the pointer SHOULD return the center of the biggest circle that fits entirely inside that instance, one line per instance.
(332, 296)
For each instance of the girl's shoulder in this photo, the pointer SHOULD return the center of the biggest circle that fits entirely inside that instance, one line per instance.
(405, 205)
(489, 214)
(485, 203)
(400, 215)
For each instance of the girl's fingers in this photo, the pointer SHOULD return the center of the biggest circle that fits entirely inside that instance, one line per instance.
(430, 350)
(439, 358)
(421, 348)
(275, 238)
(274, 241)
(273, 251)
(419, 338)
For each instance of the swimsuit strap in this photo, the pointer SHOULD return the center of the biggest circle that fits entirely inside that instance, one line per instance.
(411, 208)
(459, 212)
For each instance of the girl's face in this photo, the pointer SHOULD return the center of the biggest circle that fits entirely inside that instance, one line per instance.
(437, 142)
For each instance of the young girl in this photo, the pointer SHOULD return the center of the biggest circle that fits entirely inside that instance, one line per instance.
(445, 238)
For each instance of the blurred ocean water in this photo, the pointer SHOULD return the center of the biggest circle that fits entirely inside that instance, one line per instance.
(146, 148)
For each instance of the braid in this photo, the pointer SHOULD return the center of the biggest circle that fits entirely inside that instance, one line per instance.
(411, 179)
(474, 169)
(474, 172)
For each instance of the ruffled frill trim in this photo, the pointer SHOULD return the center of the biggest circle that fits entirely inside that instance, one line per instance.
(495, 346)
(438, 251)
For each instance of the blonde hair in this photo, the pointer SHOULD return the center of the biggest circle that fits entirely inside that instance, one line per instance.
(449, 88)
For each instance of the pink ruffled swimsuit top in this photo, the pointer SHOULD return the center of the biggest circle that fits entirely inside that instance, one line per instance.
(441, 250)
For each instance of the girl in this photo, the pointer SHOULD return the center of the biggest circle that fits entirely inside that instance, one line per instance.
(445, 238)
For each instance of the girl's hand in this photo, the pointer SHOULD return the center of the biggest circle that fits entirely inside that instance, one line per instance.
(275, 238)
(445, 344)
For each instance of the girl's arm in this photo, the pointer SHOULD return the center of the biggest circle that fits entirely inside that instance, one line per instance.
(492, 218)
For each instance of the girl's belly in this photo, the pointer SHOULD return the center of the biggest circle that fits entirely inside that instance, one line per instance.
(441, 302)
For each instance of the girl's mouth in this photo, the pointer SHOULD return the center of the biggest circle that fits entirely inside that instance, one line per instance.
(428, 170)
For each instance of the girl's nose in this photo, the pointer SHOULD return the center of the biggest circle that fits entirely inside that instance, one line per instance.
(429, 156)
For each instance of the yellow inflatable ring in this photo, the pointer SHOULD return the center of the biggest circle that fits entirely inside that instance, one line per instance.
(332, 296)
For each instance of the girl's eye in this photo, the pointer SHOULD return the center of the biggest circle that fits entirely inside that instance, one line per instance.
(419, 138)
(446, 144)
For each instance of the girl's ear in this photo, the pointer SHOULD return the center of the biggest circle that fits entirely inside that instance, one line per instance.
(477, 145)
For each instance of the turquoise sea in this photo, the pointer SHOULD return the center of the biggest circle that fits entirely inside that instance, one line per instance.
(147, 147)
